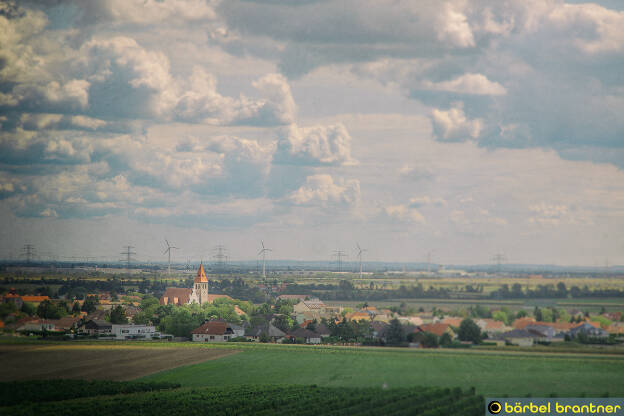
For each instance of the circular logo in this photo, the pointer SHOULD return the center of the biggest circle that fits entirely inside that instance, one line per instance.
(494, 408)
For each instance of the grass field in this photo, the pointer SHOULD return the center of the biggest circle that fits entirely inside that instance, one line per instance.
(491, 373)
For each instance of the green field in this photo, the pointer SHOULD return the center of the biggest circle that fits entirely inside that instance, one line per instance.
(260, 400)
(491, 373)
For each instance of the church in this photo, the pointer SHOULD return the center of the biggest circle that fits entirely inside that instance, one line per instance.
(185, 296)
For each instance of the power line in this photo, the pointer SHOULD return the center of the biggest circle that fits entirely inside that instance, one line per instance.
(339, 254)
(28, 251)
(128, 253)
(220, 257)
(499, 258)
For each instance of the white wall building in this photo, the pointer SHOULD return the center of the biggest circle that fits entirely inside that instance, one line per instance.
(132, 331)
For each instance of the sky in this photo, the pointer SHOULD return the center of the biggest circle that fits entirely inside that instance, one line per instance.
(451, 128)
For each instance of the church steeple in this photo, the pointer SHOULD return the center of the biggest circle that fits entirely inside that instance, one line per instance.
(201, 275)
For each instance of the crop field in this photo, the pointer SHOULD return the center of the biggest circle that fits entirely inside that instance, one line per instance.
(590, 304)
(102, 362)
(492, 373)
(262, 400)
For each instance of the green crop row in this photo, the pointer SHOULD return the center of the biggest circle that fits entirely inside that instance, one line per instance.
(18, 392)
(266, 400)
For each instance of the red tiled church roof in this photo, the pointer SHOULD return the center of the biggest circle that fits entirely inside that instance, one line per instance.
(201, 275)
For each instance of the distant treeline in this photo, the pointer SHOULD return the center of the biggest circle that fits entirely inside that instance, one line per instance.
(346, 291)
(553, 291)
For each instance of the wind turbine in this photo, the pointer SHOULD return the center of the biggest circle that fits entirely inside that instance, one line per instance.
(168, 251)
(263, 252)
(359, 255)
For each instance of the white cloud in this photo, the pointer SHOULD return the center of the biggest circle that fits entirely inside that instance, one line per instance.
(453, 125)
(426, 200)
(477, 84)
(322, 190)
(315, 145)
(454, 28)
(404, 213)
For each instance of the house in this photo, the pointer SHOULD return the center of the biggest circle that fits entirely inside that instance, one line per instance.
(12, 296)
(411, 320)
(545, 333)
(67, 323)
(293, 297)
(217, 331)
(491, 326)
(131, 331)
(438, 329)
(519, 337)
(273, 333)
(309, 337)
(314, 309)
(453, 321)
(198, 293)
(616, 328)
(358, 316)
(96, 327)
(34, 299)
(521, 323)
(37, 325)
(588, 329)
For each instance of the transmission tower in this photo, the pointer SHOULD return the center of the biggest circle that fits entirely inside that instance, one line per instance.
(339, 254)
(499, 259)
(220, 256)
(128, 253)
(28, 251)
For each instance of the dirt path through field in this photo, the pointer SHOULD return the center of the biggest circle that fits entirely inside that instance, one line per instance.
(96, 362)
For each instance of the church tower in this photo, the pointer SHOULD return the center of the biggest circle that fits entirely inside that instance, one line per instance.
(200, 286)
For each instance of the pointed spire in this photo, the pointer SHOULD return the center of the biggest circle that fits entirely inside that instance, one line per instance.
(201, 275)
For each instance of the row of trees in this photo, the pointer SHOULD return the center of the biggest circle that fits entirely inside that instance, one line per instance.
(559, 290)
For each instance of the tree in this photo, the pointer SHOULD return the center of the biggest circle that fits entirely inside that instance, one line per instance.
(28, 308)
(76, 308)
(446, 339)
(396, 333)
(48, 310)
(7, 308)
(283, 322)
(89, 305)
(118, 315)
(537, 313)
(430, 340)
(469, 331)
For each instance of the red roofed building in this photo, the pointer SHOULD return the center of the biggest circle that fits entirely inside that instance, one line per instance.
(438, 329)
(198, 294)
(34, 299)
(522, 323)
(217, 331)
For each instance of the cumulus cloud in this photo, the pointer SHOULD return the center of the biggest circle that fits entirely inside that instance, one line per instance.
(316, 145)
(453, 125)
(427, 200)
(477, 84)
(404, 213)
(322, 190)
(200, 102)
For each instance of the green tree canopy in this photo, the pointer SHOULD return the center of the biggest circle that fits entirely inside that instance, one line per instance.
(469, 331)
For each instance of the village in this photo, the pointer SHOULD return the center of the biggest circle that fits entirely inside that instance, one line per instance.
(194, 314)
